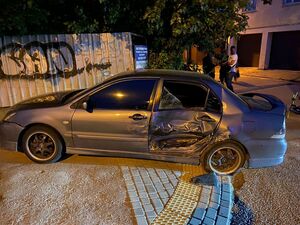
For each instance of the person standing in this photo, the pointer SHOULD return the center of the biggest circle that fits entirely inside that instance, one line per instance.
(208, 65)
(223, 59)
(232, 62)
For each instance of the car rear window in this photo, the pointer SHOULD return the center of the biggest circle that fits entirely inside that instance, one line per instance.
(213, 104)
(179, 95)
(257, 102)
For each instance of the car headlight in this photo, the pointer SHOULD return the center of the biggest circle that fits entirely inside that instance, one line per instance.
(8, 116)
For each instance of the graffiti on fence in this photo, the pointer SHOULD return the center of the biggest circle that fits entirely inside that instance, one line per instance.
(37, 59)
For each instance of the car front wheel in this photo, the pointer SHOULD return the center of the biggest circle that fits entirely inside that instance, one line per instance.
(225, 159)
(42, 144)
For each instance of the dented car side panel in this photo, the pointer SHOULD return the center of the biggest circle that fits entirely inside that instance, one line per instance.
(261, 133)
(181, 131)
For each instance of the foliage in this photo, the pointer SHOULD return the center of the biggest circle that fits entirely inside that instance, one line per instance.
(177, 24)
(83, 24)
(19, 17)
(165, 60)
(170, 26)
(120, 15)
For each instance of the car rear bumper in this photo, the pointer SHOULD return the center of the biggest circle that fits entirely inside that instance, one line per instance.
(9, 134)
(267, 162)
(266, 153)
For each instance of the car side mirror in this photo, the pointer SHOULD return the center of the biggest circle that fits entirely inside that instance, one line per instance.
(86, 105)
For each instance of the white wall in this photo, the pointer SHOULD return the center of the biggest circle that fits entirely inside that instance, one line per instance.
(276, 14)
(267, 19)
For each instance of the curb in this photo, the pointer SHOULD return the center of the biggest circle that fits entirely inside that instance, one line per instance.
(218, 210)
(195, 204)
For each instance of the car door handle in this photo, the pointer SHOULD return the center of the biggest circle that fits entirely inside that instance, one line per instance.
(138, 117)
(207, 119)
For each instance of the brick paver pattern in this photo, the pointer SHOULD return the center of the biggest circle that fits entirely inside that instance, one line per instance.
(160, 197)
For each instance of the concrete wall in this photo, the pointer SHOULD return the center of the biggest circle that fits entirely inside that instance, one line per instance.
(39, 64)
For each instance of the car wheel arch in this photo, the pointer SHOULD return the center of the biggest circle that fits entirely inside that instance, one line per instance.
(27, 127)
(210, 147)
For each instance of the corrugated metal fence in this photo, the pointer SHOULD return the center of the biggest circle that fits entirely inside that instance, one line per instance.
(37, 64)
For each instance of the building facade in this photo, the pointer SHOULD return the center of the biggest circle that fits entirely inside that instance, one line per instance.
(272, 39)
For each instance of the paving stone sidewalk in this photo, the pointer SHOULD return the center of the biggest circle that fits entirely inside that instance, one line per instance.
(161, 196)
(149, 190)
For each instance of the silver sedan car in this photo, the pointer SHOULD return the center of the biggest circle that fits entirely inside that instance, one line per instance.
(164, 115)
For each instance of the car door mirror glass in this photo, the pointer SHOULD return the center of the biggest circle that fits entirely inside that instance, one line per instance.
(84, 105)
(87, 105)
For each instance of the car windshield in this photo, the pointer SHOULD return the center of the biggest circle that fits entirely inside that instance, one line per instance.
(78, 93)
(70, 95)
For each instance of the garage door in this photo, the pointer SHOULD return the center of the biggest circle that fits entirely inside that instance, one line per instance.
(285, 50)
(248, 49)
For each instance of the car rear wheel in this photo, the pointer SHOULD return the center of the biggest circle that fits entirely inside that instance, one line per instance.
(42, 144)
(225, 159)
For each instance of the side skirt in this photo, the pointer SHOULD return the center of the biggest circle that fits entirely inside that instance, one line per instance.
(138, 155)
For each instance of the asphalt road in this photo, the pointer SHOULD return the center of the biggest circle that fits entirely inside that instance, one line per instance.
(86, 192)
(271, 195)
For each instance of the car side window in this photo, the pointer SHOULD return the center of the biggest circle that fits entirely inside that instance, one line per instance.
(178, 95)
(131, 94)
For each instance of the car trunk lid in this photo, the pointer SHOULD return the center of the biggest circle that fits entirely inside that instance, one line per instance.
(269, 115)
(264, 102)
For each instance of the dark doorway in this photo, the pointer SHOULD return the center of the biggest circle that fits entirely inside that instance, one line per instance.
(248, 49)
(285, 51)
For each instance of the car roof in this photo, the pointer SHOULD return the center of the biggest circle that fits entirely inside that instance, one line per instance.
(159, 73)
(177, 74)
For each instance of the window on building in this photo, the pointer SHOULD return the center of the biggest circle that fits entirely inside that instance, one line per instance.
(289, 2)
(251, 6)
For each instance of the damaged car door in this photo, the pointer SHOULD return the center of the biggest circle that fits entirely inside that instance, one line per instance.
(184, 118)
(115, 118)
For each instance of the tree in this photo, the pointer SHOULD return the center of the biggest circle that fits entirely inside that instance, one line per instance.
(174, 25)
(19, 17)
(170, 26)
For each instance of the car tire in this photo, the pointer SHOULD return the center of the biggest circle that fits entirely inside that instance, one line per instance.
(42, 144)
(225, 158)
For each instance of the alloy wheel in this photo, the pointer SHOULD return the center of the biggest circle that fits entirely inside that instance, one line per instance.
(225, 160)
(41, 146)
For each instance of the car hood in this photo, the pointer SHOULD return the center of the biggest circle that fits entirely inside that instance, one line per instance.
(43, 101)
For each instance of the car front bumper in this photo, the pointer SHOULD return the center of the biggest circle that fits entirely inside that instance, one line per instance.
(266, 152)
(9, 134)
